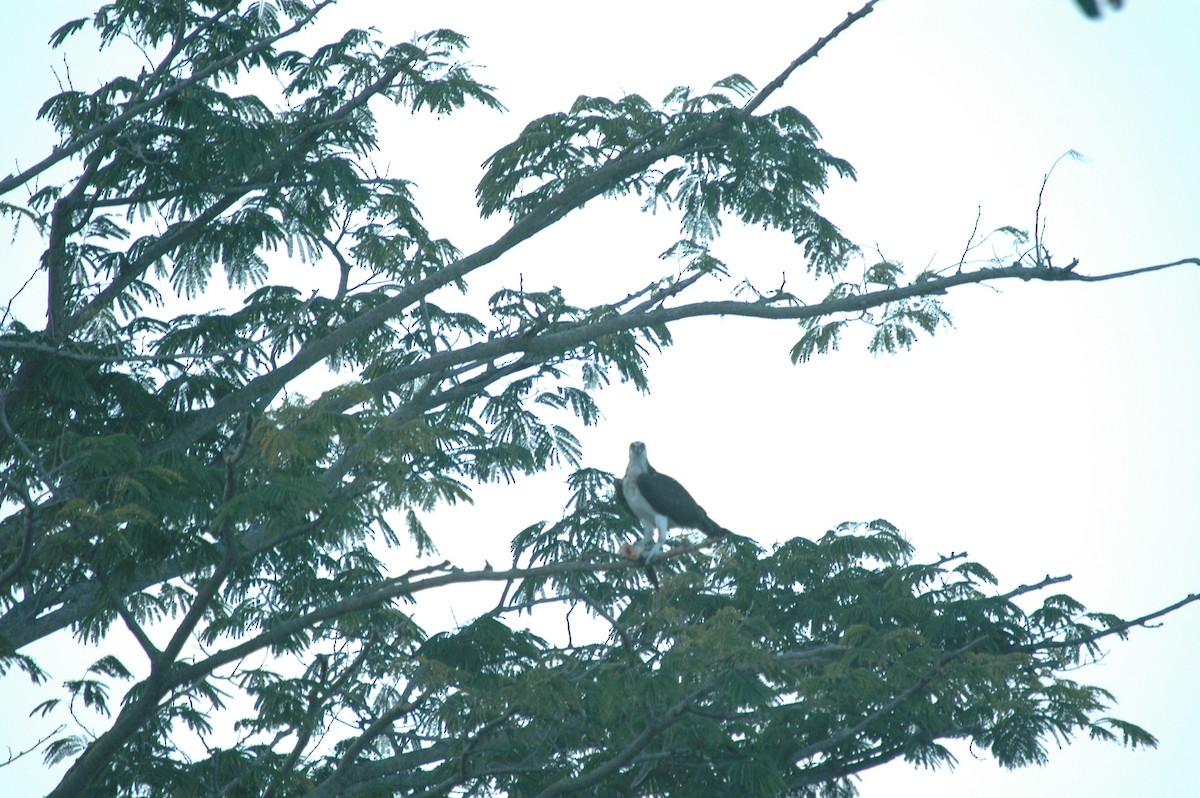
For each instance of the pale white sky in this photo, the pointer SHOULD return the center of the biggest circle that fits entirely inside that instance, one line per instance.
(1053, 430)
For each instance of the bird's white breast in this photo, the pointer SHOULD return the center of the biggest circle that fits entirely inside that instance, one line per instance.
(637, 502)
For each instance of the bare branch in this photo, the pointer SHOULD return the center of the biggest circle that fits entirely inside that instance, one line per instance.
(1044, 583)
(569, 336)
(139, 634)
(11, 757)
(809, 54)
(971, 238)
(1098, 278)
(1039, 224)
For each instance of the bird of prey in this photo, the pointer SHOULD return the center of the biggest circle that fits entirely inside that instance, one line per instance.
(1091, 8)
(659, 503)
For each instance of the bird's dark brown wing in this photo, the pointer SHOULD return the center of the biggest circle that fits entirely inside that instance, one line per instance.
(671, 499)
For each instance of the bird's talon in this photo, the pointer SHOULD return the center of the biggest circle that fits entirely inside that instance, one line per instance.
(654, 551)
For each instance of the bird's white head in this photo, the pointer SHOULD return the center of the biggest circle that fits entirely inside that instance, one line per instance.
(637, 454)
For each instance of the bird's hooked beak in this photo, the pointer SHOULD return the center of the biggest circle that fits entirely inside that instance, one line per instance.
(637, 452)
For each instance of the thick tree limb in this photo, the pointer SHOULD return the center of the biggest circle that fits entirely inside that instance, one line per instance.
(135, 713)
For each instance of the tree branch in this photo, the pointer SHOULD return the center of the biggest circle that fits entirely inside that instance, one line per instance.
(1118, 629)
(840, 736)
(605, 177)
(569, 336)
(377, 595)
(334, 783)
(654, 727)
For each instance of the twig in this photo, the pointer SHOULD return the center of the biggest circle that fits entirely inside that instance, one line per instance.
(971, 239)
(1038, 224)
(11, 757)
(1097, 278)
(945, 558)
(616, 625)
(8, 308)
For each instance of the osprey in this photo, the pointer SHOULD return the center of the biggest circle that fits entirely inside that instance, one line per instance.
(660, 503)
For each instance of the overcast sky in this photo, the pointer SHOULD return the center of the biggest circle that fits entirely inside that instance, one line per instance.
(1054, 430)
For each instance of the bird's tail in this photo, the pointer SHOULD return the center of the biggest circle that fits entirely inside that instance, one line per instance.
(714, 530)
